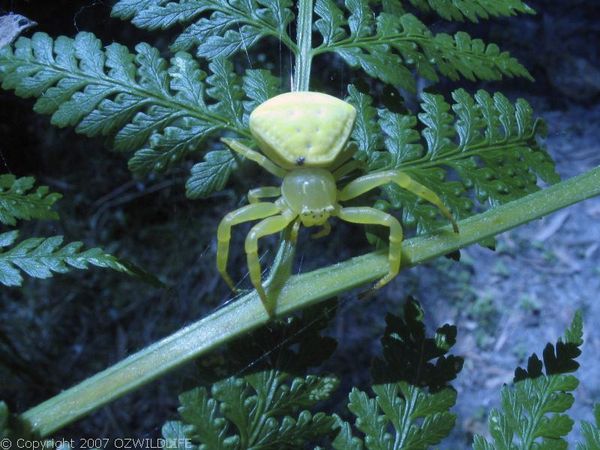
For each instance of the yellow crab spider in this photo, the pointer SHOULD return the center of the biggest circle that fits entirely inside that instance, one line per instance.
(304, 140)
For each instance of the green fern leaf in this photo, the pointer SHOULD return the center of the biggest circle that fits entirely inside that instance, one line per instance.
(211, 175)
(491, 144)
(361, 18)
(160, 111)
(227, 418)
(125, 9)
(232, 26)
(531, 413)
(264, 405)
(331, 21)
(174, 434)
(532, 409)
(158, 14)
(259, 86)
(344, 439)
(203, 422)
(226, 89)
(199, 32)
(401, 139)
(473, 10)
(412, 400)
(591, 432)
(402, 403)
(17, 202)
(230, 43)
(41, 257)
(4, 416)
(365, 132)
(389, 45)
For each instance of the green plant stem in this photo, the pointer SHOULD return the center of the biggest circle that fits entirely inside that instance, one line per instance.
(247, 312)
(304, 42)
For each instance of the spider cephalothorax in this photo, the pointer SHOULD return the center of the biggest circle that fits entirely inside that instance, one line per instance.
(304, 138)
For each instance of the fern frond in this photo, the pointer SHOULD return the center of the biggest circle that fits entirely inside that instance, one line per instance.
(559, 358)
(18, 202)
(259, 86)
(388, 46)
(412, 400)
(270, 404)
(488, 142)
(531, 414)
(473, 10)
(212, 174)
(344, 439)
(42, 257)
(162, 112)
(591, 432)
(231, 26)
(366, 132)
(229, 416)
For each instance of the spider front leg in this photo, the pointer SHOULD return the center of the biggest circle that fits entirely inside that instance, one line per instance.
(255, 195)
(376, 179)
(372, 216)
(268, 226)
(347, 168)
(246, 214)
(252, 155)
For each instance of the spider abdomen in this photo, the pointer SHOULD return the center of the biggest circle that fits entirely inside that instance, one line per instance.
(311, 193)
(302, 128)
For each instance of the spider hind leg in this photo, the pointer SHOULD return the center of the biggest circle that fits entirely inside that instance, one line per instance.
(371, 216)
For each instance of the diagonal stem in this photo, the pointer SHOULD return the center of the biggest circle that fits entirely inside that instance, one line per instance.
(247, 313)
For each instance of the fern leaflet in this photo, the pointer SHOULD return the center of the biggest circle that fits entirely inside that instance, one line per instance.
(226, 418)
(491, 144)
(531, 414)
(473, 10)
(410, 409)
(591, 432)
(18, 202)
(269, 404)
(212, 174)
(389, 45)
(161, 112)
(41, 257)
(231, 26)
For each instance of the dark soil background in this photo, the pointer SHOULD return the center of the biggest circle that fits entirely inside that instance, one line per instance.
(506, 304)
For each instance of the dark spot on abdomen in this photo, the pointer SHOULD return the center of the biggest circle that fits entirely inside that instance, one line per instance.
(300, 161)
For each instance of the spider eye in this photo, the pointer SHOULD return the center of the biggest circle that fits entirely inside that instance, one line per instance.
(300, 161)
